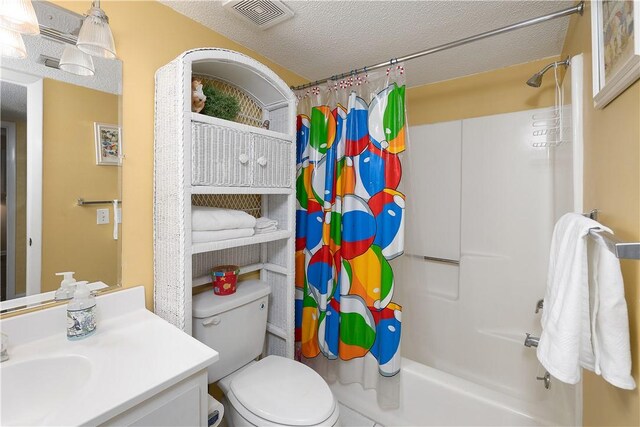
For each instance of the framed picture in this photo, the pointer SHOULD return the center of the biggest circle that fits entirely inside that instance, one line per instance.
(615, 42)
(108, 144)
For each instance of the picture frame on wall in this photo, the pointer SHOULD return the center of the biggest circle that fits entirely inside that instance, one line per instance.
(108, 139)
(615, 42)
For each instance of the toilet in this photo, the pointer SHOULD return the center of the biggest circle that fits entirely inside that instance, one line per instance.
(273, 391)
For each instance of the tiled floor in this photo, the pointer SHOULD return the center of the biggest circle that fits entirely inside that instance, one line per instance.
(351, 418)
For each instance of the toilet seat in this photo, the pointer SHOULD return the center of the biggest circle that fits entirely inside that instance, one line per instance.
(281, 391)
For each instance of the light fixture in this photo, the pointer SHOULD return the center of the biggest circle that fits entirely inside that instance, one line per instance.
(75, 61)
(11, 44)
(95, 36)
(19, 16)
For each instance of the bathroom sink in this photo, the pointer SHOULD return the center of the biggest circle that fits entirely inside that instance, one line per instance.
(33, 389)
(52, 381)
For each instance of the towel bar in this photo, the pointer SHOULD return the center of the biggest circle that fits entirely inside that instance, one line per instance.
(622, 250)
(83, 202)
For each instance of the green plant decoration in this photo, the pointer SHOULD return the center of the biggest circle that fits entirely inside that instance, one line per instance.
(220, 105)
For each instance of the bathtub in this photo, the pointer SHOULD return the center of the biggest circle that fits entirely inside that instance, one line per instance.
(431, 397)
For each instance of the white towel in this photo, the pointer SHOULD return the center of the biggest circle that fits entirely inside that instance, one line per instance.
(264, 222)
(266, 230)
(609, 318)
(266, 225)
(566, 340)
(210, 219)
(216, 235)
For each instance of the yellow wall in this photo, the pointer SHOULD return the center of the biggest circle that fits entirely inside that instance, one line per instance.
(149, 35)
(494, 92)
(612, 184)
(71, 239)
(21, 208)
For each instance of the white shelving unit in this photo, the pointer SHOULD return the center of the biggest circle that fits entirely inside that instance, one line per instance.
(206, 161)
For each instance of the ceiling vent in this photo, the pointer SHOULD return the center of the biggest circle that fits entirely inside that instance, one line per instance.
(261, 13)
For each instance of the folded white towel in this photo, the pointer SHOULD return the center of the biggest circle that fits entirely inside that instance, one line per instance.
(264, 222)
(216, 235)
(266, 230)
(609, 318)
(567, 342)
(210, 219)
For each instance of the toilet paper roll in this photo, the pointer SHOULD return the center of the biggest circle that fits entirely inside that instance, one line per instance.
(215, 411)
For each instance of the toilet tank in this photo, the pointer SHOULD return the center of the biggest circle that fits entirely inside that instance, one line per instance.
(234, 325)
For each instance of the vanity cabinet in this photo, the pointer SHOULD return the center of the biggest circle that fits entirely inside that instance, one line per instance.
(183, 404)
(246, 165)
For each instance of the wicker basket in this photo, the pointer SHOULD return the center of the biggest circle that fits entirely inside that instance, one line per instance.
(228, 156)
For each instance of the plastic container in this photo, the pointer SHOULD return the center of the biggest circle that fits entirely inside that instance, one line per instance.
(81, 313)
(225, 278)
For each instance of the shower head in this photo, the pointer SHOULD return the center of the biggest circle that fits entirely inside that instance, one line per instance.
(536, 79)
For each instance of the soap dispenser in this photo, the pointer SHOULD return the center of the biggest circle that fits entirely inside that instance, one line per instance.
(67, 286)
(81, 313)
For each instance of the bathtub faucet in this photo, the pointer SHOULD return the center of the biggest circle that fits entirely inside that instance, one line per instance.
(539, 306)
(530, 341)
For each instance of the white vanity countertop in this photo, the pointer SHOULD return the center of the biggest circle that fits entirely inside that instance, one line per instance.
(133, 355)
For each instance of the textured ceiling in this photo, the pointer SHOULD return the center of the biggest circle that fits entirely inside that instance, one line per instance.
(13, 101)
(330, 37)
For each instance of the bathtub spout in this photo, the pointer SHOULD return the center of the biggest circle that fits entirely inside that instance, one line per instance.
(530, 341)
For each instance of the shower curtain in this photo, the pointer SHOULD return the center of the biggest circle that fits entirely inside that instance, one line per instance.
(350, 225)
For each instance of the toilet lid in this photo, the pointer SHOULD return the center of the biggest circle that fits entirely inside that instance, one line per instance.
(284, 391)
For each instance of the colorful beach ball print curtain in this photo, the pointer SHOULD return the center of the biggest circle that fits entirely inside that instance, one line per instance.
(350, 218)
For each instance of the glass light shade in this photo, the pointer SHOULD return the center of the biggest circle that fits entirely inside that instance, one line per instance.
(75, 61)
(18, 15)
(95, 37)
(11, 44)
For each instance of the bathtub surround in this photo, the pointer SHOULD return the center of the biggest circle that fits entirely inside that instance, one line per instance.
(489, 211)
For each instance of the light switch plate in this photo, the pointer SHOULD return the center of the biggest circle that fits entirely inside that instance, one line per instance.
(102, 216)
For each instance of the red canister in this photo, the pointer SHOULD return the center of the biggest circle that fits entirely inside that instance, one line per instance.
(225, 278)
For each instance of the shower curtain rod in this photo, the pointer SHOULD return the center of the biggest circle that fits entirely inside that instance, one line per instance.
(579, 8)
